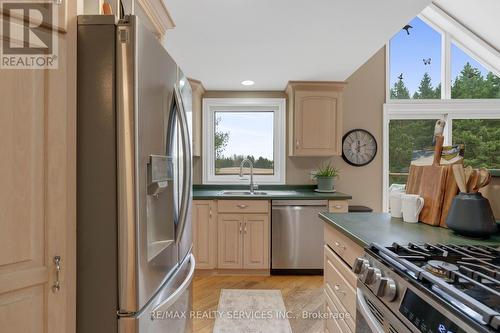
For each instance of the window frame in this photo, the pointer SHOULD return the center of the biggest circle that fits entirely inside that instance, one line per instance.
(432, 109)
(456, 34)
(213, 105)
(445, 108)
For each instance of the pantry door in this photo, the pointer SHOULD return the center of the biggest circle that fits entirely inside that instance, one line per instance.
(37, 199)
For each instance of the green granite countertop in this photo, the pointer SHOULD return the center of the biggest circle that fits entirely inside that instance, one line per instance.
(381, 228)
(294, 192)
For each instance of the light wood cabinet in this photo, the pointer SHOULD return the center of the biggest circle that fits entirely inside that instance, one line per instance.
(340, 282)
(204, 221)
(230, 241)
(243, 206)
(338, 206)
(231, 234)
(38, 194)
(315, 118)
(256, 241)
(243, 233)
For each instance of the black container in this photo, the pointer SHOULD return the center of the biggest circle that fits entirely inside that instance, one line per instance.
(471, 215)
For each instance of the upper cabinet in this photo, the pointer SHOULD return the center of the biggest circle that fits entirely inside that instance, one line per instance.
(198, 91)
(315, 118)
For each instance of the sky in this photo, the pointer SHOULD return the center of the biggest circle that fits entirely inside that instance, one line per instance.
(250, 133)
(408, 51)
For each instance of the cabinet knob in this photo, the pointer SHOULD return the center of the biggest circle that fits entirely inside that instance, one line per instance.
(240, 227)
(241, 206)
(297, 144)
(338, 291)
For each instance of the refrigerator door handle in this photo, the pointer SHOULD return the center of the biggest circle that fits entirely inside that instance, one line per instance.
(187, 181)
(168, 302)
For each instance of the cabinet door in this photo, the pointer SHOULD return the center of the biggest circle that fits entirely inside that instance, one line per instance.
(230, 247)
(37, 199)
(317, 123)
(204, 234)
(256, 241)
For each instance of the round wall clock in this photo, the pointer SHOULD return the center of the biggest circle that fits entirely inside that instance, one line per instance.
(359, 147)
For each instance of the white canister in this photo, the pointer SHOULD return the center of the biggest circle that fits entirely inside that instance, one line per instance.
(395, 204)
(395, 192)
(412, 205)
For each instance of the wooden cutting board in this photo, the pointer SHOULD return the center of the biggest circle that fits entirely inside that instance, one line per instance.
(450, 191)
(429, 181)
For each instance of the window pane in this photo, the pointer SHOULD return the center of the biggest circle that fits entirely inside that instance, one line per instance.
(481, 138)
(240, 135)
(415, 62)
(405, 136)
(470, 79)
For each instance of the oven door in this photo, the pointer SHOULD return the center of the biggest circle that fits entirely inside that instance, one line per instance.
(373, 316)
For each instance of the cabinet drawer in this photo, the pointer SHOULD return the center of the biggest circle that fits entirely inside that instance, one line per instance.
(337, 285)
(243, 206)
(335, 324)
(341, 266)
(338, 206)
(347, 249)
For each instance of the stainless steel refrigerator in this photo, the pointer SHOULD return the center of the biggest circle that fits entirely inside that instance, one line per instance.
(134, 261)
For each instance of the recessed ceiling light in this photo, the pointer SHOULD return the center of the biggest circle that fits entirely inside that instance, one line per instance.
(247, 83)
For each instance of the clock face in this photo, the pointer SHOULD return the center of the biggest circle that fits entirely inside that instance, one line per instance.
(359, 147)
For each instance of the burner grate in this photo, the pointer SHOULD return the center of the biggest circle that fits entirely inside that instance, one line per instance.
(469, 274)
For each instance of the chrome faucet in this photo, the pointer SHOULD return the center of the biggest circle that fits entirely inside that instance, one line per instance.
(253, 186)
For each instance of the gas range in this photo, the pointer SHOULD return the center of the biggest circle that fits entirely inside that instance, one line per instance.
(430, 288)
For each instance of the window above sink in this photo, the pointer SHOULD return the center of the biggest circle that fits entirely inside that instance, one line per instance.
(243, 128)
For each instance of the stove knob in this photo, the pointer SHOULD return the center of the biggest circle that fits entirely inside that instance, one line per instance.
(386, 289)
(372, 275)
(359, 265)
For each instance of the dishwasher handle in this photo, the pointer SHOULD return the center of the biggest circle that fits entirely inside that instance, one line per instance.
(299, 203)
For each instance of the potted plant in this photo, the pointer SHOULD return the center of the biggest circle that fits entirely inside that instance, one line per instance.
(325, 177)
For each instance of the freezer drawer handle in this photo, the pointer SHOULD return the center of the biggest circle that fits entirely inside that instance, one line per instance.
(167, 303)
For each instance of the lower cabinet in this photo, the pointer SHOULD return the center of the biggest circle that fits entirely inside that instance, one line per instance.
(256, 241)
(230, 245)
(231, 234)
(243, 241)
(204, 222)
(339, 280)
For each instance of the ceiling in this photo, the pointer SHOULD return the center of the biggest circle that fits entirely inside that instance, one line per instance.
(480, 16)
(223, 42)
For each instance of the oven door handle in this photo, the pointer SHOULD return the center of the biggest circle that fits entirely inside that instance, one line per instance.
(363, 308)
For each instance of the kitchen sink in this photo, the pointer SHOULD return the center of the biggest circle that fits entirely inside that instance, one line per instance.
(243, 193)
(237, 193)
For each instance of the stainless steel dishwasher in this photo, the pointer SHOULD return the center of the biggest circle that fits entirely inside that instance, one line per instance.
(297, 236)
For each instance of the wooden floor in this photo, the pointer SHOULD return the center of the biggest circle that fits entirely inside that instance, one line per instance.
(300, 293)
